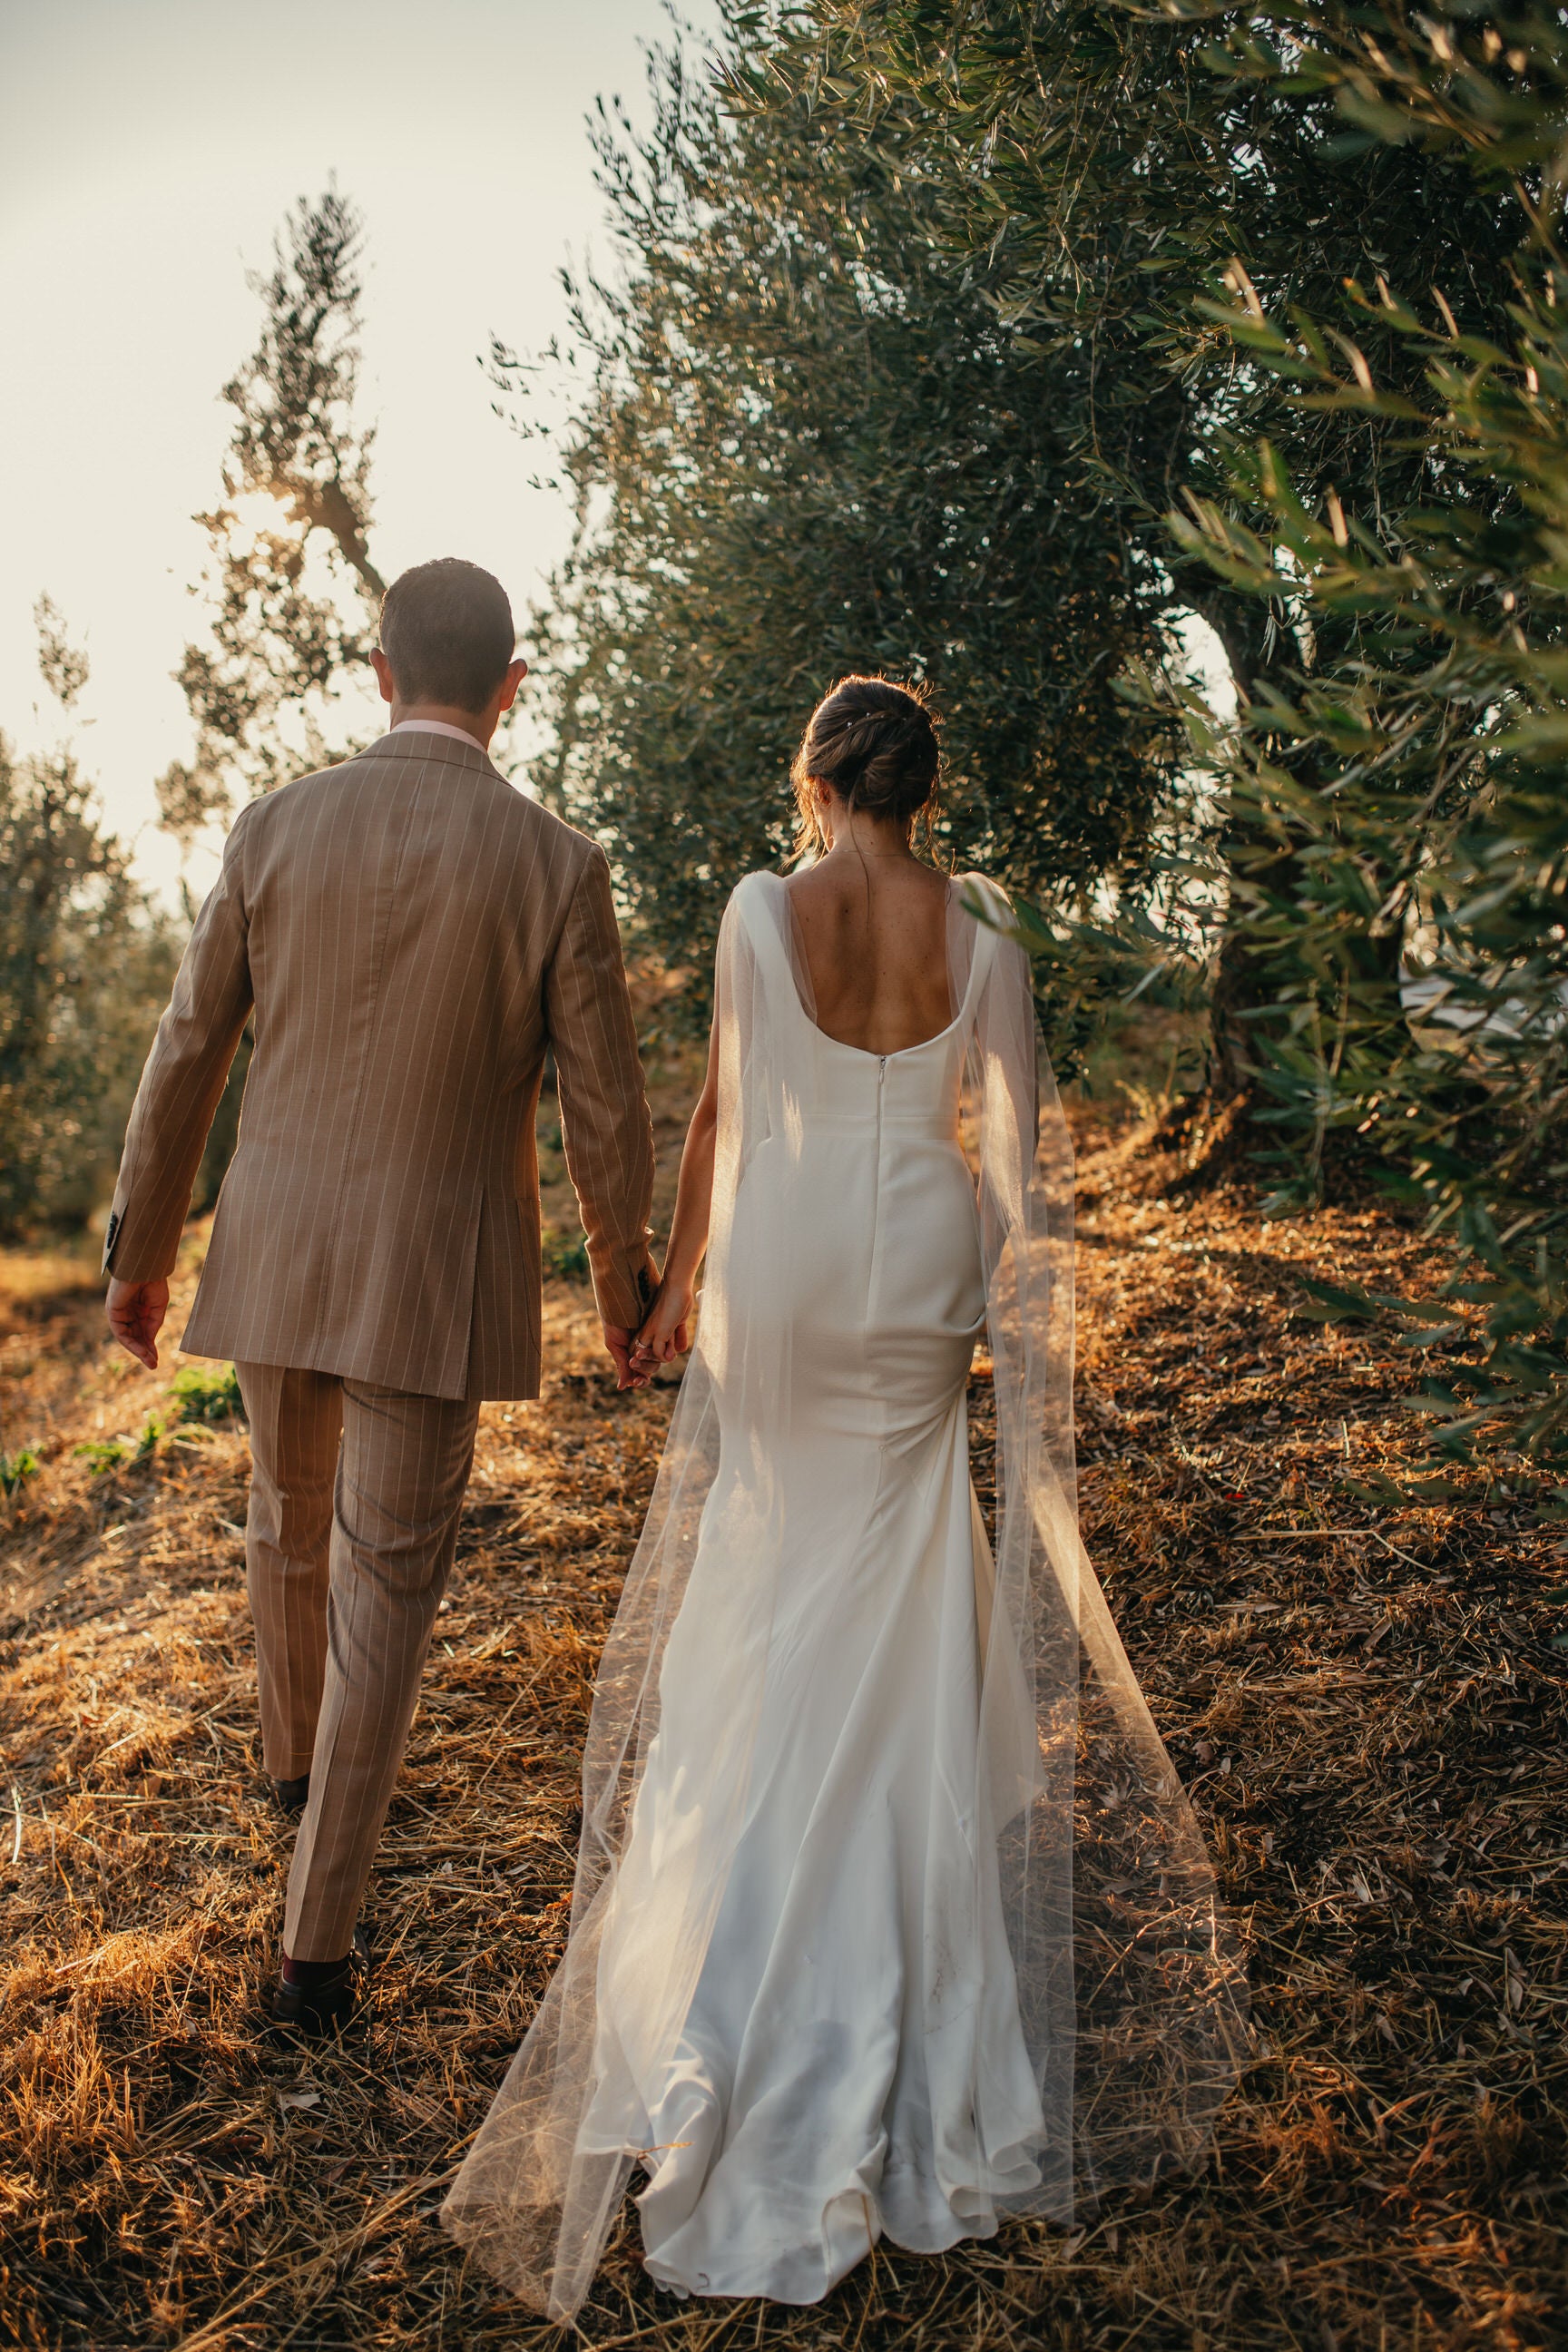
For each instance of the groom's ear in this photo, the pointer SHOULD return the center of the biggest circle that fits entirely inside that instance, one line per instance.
(516, 672)
(383, 679)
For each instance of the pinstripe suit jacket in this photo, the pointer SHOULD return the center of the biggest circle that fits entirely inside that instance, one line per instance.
(412, 934)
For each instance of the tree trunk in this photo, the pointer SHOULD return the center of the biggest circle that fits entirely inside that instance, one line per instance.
(1249, 631)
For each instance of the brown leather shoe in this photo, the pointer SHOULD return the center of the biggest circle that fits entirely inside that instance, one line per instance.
(321, 2012)
(292, 1796)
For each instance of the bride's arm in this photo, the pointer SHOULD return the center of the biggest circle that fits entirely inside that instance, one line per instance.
(666, 1332)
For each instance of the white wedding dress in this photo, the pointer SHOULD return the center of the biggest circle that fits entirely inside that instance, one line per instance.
(853, 2061)
(819, 1984)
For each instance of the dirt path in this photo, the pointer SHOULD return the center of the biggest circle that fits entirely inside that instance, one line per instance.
(1368, 1708)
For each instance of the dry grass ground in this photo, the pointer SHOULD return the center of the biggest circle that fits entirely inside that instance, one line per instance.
(1368, 1707)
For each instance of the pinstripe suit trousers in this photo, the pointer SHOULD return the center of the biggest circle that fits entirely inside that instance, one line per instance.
(355, 1496)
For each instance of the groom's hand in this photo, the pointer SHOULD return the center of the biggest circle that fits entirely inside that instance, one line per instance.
(136, 1312)
(619, 1343)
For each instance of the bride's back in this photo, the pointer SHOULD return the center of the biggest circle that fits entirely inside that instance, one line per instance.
(873, 938)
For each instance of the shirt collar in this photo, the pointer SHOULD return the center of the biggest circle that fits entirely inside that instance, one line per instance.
(439, 726)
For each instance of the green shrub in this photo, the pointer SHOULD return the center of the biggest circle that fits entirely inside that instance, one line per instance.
(14, 1468)
(202, 1392)
(565, 1254)
(103, 1454)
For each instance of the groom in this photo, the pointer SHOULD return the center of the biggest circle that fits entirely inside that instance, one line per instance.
(412, 936)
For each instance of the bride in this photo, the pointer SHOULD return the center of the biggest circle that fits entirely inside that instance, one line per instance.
(891, 1918)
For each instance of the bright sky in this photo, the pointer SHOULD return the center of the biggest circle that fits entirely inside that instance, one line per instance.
(147, 151)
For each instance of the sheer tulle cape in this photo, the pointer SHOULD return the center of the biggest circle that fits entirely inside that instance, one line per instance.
(1131, 1999)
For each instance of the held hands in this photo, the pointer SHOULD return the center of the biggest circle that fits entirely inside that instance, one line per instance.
(136, 1312)
(667, 1331)
(618, 1340)
(666, 1334)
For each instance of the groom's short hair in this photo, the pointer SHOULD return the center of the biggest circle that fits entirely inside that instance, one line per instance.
(445, 629)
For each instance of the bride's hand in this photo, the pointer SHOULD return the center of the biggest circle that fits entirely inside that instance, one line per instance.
(667, 1333)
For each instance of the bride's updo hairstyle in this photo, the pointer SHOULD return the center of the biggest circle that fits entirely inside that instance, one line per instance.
(875, 743)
